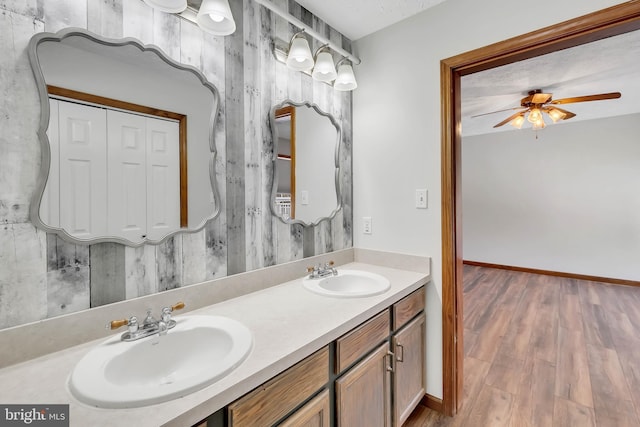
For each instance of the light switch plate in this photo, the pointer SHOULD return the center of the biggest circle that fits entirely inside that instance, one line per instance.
(366, 225)
(421, 199)
(304, 196)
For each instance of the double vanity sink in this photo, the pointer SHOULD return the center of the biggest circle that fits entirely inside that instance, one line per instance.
(198, 351)
(242, 331)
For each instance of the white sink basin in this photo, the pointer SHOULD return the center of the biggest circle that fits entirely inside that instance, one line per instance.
(349, 284)
(198, 351)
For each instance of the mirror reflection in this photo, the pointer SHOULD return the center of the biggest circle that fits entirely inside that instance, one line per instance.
(307, 143)
(128, 153)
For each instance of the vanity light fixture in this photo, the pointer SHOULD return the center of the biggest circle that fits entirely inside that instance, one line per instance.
(299, 57)
(324, 70)
(346, 80)
(215, 17)
(169, 6)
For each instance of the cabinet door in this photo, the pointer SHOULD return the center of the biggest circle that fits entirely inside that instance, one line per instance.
(316, 413)
(409, 377)
(363, 393)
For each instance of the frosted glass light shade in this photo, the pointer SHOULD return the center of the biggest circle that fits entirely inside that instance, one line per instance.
(215, 17)
(534, 115)
(556, 114)
(169, 6)
(324, 70)
(300, 58)
(517, 122)
(346, 80)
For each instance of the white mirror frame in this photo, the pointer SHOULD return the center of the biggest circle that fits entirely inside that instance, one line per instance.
(45, 157)
(274, 190)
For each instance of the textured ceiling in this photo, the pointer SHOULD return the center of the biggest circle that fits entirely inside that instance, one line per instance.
(608, 65)
(358, 18)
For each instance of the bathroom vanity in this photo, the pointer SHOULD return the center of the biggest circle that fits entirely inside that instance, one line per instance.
(382, 359)
(313, 356)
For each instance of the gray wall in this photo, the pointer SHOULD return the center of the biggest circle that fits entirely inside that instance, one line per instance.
(43, 276)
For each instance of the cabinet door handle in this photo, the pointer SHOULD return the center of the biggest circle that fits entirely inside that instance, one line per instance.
(400, 356)
(390, 364)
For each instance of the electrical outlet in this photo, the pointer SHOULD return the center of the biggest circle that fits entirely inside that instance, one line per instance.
(366, 225)
(421, 199)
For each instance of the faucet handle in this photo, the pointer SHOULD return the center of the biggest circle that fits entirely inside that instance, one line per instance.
(177, 306)
(115, 324)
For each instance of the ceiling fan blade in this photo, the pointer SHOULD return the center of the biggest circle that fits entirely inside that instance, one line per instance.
(499, 111)
(508, 119)
(599, 97)
(540, 98)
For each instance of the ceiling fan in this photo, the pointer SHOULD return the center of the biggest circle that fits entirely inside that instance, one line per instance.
(536, 103)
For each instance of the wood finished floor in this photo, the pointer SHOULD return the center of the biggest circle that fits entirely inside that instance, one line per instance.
(546, 351)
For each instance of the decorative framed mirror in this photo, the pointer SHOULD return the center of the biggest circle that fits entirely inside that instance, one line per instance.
(126, 132)
(306, 187)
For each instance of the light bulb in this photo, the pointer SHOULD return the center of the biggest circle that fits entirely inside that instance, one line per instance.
(517, 122)
(345, 80)
(534, 115)
(299, 57)
(556, 114)
(216, 18)
(539, 124)
(324, 69)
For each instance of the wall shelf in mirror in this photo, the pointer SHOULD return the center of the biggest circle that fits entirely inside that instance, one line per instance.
(306, 186)
(129, 77)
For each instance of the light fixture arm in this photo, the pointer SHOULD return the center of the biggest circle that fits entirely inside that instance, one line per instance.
(341, 61)
(320, 49)
(298, 23)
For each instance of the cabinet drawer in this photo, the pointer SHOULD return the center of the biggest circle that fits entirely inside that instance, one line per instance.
(360, 341)
(405, 309)
(316, 413)
(279, 396)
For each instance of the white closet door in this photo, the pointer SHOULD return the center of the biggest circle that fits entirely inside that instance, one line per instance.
(50, 203)
(126, 144)
(163, 178)
(83, 170)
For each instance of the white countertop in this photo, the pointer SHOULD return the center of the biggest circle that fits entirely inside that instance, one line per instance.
(288, 323)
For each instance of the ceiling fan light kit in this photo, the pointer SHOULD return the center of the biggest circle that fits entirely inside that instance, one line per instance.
(536, 104)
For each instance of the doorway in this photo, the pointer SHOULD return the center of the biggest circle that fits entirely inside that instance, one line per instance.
(615, 20)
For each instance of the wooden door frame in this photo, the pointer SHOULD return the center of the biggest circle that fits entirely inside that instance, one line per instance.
(615, 20)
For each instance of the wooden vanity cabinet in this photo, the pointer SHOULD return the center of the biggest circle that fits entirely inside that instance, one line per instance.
(363, 394)
(409, 369)
(386, 386)
(315, 413)
(378, 378)
(279, 396)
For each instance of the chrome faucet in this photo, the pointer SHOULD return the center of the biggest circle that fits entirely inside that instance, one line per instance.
(321, 271)
(150, 325)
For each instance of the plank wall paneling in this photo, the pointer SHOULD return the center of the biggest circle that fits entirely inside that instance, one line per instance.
(44, 275)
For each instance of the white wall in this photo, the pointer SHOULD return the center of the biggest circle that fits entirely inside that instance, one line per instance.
(396, 127)
(568, 201)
